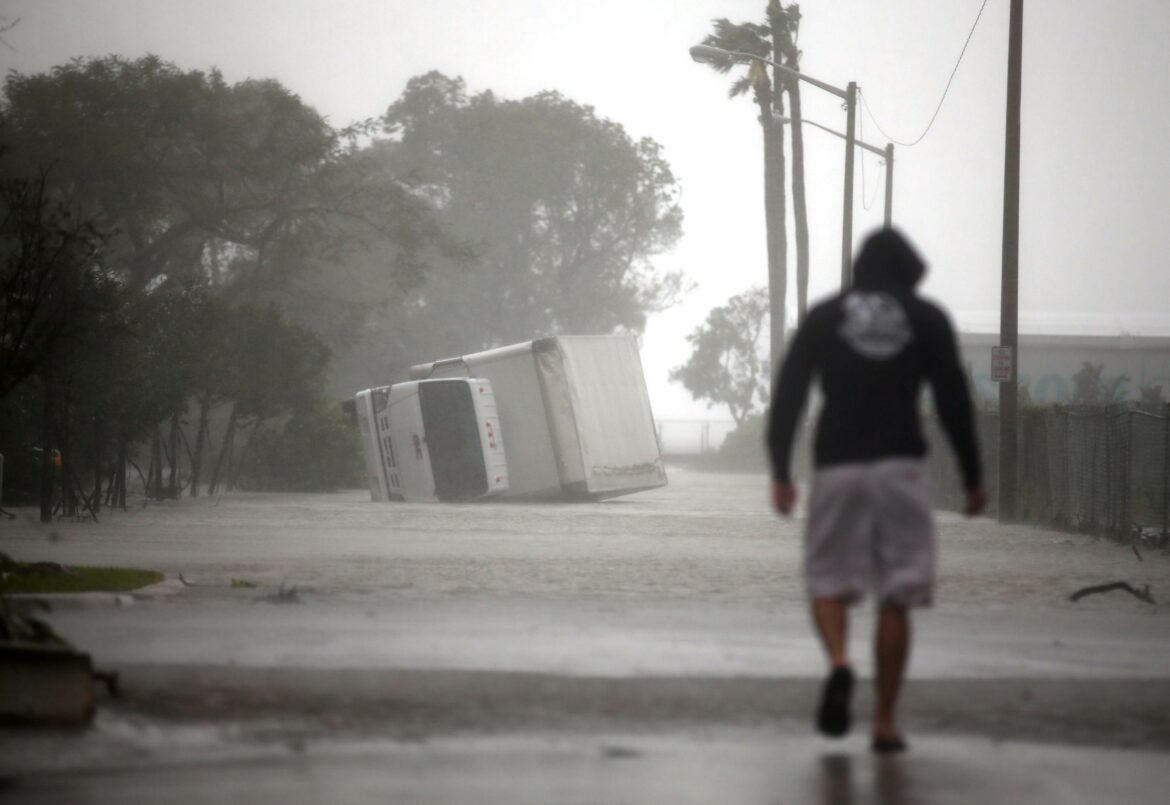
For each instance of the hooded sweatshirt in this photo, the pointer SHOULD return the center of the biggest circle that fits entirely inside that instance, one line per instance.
(873, 348)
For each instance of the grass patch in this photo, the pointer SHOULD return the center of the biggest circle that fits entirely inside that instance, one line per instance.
(79, 580)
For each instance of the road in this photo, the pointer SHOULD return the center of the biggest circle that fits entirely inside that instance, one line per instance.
(649, 648)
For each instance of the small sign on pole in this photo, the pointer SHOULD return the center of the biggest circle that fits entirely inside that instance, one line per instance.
(1002, 369)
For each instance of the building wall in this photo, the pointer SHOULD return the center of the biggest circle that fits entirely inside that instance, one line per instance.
(1048, 363)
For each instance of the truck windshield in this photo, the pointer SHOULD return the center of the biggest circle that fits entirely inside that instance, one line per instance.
(452, 435)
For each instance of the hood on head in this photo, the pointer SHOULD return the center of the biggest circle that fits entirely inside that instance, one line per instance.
(887, 260)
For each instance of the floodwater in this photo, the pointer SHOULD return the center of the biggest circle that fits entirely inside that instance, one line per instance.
(648, 648)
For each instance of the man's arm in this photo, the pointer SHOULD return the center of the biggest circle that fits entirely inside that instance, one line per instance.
(788, 399)
(953, 402)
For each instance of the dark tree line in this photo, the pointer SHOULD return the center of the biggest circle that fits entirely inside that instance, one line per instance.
(150, 214)
(183, 257)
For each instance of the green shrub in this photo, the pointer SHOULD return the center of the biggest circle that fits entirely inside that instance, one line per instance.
(747, 440)
(48, 577)
(315, 451)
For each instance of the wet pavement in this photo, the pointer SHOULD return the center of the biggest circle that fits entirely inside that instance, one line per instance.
(648, 649)
(615, 768)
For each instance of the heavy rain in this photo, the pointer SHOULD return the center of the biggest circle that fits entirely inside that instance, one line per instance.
(624, 402)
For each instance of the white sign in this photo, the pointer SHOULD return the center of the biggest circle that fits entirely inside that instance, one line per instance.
(1001, 364)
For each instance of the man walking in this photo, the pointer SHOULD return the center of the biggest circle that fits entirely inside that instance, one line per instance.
(870, 528)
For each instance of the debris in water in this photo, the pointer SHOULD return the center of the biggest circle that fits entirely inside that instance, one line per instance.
(285, 595)
(1141, 595)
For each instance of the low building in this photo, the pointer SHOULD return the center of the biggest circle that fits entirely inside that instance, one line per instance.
(1052, 351)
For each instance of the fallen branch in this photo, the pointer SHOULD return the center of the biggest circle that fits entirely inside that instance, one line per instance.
(186, 583)
(1141, 595)
(285, 595)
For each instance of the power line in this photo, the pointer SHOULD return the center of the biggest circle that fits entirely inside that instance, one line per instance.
(945, 89)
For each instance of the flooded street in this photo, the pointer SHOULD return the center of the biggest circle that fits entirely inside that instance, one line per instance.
(327, 645)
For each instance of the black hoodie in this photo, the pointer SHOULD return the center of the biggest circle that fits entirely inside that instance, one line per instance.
(872, 348)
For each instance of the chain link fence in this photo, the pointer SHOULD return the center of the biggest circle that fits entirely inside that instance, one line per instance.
(1093, 470)
(692, 437)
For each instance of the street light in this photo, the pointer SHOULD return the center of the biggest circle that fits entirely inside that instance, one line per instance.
(709, 54)
(886, 153)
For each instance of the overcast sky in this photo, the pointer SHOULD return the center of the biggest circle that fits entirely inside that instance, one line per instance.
(1095, 167)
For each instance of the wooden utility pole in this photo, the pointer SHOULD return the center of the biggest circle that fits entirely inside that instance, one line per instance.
(888, 220)
(847, 211)
(1009, 293)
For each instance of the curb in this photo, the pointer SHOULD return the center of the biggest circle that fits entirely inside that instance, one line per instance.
(97, 600)
(66, 601)
(159, 589)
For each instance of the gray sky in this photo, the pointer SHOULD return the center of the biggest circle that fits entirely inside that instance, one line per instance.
(1096, 132)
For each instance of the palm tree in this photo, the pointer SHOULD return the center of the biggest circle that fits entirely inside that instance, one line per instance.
(758, 40)
(785, 23)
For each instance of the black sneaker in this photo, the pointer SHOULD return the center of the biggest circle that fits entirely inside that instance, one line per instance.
(889, 746)
(833, 716)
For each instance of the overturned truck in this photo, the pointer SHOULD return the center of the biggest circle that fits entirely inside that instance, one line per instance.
(560, 417)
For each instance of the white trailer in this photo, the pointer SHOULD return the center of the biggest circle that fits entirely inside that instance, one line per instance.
(432, 440)
(574, 411)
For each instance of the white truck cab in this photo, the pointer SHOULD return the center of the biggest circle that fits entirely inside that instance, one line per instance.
(432, 440)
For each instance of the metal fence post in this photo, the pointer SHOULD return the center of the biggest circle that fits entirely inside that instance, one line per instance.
(1127, 500)
(1093, 474)
(1165, 470)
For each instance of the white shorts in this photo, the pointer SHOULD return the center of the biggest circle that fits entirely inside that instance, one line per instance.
(870, 527)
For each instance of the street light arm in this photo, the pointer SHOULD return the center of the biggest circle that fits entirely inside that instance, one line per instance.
(881, 152)
(707, 54)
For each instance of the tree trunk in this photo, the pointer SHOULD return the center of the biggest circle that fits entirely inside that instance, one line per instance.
(47, 468)
(65, 454)
(780, 220)
(785, 24)
(200, 438)
(154, 473)
(173, 481)
(226, 447)
(96, 506)
(235, 476)
(799, 210)
(774, 219)
(120, 481)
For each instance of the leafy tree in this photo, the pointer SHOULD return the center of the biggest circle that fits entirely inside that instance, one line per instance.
(121, 135)
(219, 200)
(1151, 398)
(562, 209)
(242, 186)
(726, 366)
(1091, 388)
(316, 450)
(51, 264)
(277, 368)
(54, 293)
(742, 446)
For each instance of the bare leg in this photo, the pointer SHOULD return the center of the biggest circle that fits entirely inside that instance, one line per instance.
(891, 647)
(830, 615)
(834, 715)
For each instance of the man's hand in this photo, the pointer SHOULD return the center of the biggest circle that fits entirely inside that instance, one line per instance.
(976, 501)
(783, 496)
